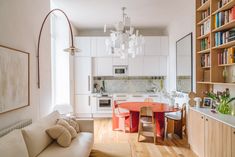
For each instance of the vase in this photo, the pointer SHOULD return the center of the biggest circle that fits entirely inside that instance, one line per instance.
(224, 108)
(233, 109)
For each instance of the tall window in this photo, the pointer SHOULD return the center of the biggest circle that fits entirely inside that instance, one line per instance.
(60, 60)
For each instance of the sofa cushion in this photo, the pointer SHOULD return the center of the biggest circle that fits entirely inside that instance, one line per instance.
(65, 124)
(12, 145)
(35, 135)
(60, 134)
(80, 147)
(73, 123)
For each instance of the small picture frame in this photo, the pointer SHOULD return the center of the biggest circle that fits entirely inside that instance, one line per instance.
(207, 102)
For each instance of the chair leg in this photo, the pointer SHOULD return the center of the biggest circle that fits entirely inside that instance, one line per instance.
(139, 130)
(165, 129)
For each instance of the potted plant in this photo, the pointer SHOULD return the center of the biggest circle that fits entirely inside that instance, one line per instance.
(222, 100)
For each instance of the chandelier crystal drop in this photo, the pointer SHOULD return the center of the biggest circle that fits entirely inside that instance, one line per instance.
(124, 41)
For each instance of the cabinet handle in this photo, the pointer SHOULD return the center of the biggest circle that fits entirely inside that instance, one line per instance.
(89, 84)
(201, 117)
(234, 132)
(206, 119)
(89, 101)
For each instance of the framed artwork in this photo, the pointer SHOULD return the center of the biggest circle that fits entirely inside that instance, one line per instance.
(14, 79)
(207, 102)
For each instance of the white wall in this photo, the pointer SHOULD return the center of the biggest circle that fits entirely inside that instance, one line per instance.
(178, 28)
(19, 28)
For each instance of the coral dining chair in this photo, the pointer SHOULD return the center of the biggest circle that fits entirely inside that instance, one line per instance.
(120, 119)
(148, 100)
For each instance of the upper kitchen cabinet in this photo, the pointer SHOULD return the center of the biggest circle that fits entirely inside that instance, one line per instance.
(156, 45)
(84, 44)
(82, 75)
(103, 66)
(163, 66)
(101, 47)
(151, 66)
(119, 61)
(135, 67)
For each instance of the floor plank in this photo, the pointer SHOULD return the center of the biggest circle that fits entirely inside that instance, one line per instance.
(172, 147)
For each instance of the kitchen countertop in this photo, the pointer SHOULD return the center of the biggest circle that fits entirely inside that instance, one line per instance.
(226, 119)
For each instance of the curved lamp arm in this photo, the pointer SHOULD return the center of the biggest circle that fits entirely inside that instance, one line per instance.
(72, 49)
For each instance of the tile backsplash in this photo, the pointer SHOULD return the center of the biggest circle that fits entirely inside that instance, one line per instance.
(128, 85)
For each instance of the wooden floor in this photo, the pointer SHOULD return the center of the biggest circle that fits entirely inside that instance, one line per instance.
(172, 147)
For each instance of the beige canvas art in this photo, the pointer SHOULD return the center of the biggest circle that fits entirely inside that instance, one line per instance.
(14, 79)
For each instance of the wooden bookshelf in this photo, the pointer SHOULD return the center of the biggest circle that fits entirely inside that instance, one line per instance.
(208, 76)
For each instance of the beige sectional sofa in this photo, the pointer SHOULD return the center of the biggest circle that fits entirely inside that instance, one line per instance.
(33, 141)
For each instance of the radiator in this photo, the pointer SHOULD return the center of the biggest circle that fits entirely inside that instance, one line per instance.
(18, 125)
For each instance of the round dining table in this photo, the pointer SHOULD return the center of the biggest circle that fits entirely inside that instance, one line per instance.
(159, 110)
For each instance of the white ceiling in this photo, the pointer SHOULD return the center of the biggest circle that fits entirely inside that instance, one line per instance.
(92, 14)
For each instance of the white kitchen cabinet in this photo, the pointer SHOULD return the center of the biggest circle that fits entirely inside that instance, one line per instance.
(82, 75)
(101, 50)
(163, 66)
(151, 66)
(83, 106)
(93, 46)
(104, 66)
(84, 44)
(164, 45)
(93, 104)
(152, 45)
(119, 61)
(135, 67)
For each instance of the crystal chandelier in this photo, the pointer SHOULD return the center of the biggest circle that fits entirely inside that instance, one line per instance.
(124, 41)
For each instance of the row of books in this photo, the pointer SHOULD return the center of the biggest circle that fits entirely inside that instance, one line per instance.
(224, 17)
(205, 43)
(224, 37)
(205, 14)
(222, 3)
(227, 56)
(205, 60)
(205, 27)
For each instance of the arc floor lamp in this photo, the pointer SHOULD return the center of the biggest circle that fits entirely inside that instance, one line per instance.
(72, 49)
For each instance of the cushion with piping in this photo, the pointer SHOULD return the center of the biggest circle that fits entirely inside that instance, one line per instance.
(73, 123)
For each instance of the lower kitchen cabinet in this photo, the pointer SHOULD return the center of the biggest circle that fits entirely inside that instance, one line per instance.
(197, 134)
(209, 137)
(83, 106)
(233, 142)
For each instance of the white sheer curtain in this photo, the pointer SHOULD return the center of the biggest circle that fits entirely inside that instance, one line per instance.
(60, 60)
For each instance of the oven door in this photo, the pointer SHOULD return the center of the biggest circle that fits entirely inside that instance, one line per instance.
(104, 104)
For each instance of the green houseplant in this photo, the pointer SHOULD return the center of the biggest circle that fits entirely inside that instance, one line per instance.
(223, 101)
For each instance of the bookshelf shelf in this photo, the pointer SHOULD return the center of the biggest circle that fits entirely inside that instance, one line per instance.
(226, 45)
(222, 83)
(204, 51)
(225, 7)
(203, 36)
(204, 20)
(204, 6)
(224, 65)
(201, 82)
(207, 67)
(225, 26)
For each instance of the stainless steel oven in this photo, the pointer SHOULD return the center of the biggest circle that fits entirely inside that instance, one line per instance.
(104, 104)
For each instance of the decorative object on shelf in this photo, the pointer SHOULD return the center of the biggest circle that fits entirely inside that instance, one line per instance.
(207, 102)
(124, 40)
(233, 76)
(198, 101)
(225, 74)
(192, 101)
(72, 49)
(14, 79)
(222, 101)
